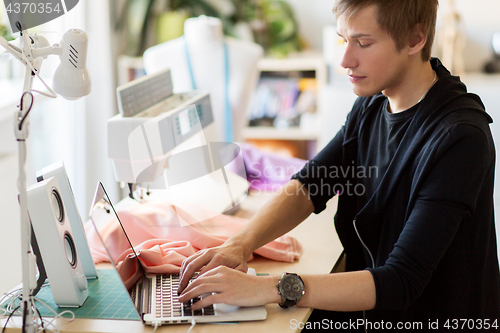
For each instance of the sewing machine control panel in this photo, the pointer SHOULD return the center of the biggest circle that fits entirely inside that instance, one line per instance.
(143, 93)
(189, 121)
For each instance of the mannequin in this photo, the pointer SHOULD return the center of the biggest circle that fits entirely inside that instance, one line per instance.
(205, 42)
(453, 41)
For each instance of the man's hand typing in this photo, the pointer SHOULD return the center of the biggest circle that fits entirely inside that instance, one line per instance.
(225, 255)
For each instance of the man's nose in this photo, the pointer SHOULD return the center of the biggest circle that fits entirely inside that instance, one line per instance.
(348, 58)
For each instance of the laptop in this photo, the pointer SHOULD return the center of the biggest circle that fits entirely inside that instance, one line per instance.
(155, 295)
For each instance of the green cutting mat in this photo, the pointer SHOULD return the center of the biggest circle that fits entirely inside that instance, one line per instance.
(107, 299)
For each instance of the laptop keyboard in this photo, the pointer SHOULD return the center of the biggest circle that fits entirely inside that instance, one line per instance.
(167, 300)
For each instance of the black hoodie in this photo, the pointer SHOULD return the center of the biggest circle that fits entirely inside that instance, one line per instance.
(427, 234)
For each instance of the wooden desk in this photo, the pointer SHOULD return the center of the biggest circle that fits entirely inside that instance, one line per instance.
(322, 249)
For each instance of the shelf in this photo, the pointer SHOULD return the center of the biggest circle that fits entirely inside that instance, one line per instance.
(293, 141)
(272, 133)
(129, 68)
(302, 61)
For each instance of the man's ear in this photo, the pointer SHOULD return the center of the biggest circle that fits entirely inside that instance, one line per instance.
(417, 40)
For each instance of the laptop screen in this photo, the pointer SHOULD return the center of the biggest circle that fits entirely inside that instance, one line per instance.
(114, 238)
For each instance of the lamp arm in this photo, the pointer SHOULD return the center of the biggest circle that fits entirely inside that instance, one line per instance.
(48, 50)
(32, 59)
(29, 51)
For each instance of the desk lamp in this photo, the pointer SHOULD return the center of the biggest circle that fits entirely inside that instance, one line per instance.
(71, 81)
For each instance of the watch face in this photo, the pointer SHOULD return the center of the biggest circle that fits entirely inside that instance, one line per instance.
(292, 287)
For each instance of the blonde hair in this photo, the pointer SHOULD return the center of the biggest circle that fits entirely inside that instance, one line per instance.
(398, 18)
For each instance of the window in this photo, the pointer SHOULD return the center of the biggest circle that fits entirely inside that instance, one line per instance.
(52, 120)
(53, 135)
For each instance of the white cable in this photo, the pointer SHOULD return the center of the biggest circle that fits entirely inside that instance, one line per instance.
(10, 308)
(9, 295)
(41, 92)
(37, 317)
(373, 264)
(13, 296)
(60, 315)
(56, 315)
(193, 324)
(156, 326)
(46, 327)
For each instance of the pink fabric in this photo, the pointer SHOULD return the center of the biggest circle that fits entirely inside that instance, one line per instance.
(164, 235)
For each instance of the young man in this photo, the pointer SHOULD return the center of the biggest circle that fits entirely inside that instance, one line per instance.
(420, 239)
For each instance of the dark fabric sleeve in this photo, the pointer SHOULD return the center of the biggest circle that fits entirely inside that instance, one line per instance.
(447, 195)
(321, 174)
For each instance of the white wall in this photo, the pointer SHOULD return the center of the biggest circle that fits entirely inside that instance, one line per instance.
(312, 16)
(481, 19)
(100, 104)
(488, 88)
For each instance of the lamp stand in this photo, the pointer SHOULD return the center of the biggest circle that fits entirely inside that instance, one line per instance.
(21, 132)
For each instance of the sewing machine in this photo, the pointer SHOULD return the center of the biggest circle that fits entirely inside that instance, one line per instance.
(165, 143)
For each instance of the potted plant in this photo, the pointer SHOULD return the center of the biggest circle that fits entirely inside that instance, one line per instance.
(139, 18)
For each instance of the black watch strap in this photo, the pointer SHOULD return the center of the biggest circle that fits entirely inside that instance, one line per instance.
(287, 303)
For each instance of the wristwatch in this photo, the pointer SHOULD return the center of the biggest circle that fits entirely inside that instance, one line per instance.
(291, 289)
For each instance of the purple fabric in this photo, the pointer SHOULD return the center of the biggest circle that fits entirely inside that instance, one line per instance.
(264, 170)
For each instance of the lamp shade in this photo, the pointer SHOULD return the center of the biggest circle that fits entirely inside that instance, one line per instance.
(72, 78)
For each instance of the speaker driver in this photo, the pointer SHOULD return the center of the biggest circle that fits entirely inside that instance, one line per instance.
(70, 249)
(57, 205)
